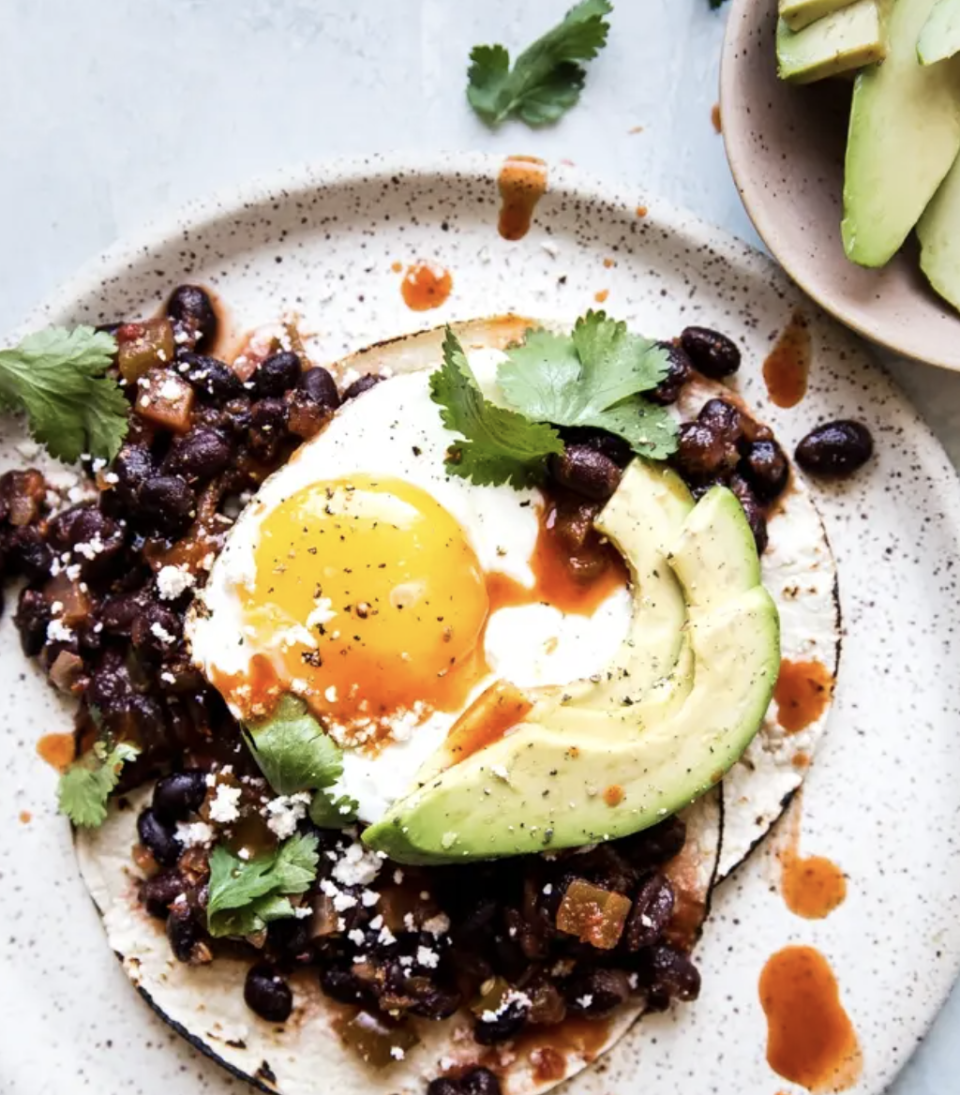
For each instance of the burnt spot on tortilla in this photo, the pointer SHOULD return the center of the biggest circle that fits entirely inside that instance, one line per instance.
(263, 1079)
(236, 1043)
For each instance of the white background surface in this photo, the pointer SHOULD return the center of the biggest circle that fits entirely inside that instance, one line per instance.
(113, 111)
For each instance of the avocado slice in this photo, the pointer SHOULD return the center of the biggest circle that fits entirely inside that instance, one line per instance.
(904, 136)
(939, 235)
(847, 39)
(798, 14)
(571, 775)
(940, 37)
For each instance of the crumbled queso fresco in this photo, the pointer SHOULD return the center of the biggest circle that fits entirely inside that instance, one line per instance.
(225, 805)
(173, 581)
(284, 812)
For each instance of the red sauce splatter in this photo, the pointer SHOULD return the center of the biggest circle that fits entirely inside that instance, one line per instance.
(609, 263)
(802, 693)
(396, 267)
(425, 286)
(549, 1065)
(601, 296)
(58, 750)
(715, 118)
(522, 183)
(613, 795)
(25, 817)
(583, 1039)
(495, 711)
(642, 211)
(812, 886)
(810, 1039)
(254, 690)
(787, 367)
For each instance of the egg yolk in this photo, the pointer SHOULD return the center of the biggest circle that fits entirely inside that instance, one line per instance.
(368, 600)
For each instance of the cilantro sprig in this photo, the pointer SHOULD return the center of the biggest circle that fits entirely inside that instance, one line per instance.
(86, 785)
(245, 895)
(499, 446)
(295, 754)
(593, 377)
(547, 78)
(57, 378)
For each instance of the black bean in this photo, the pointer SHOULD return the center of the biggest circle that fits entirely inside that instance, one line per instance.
(671, 973)
(267, 993)
(291, 938)
(159, 839)
(184, 930)
(117, 613)
(110, 688)
(703, 453)
(766, 469)
(167, 504)
(836, 448)
(360, 385)
(156, 630)
(31, 620)
(212, 379)
(595, 993)
(97, 540)
(443, 1085)
(681, 369)
(277, 374)
(651, 912)
(176, 796)
(723, 418)
(194, 318)
(479, 1081)
(201, 454)
(655, 846)
(158, 893)
(429, 1000)
(586, 471)
(133, 465)
(268, 423)
(343, 985)
(509, 1021)
(320, 387)
(753, 510)
(712, 353)
(27, 553)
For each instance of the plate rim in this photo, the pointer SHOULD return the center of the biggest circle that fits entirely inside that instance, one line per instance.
(287, 182)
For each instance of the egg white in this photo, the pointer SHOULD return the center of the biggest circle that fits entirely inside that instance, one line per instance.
(395, 430)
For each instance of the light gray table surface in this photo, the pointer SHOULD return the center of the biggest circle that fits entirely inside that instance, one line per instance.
(114, 111)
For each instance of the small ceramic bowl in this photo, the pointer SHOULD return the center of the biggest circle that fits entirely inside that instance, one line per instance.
(786, 149)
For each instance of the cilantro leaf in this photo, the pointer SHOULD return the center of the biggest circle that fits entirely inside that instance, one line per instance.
(499, 446)
(547, 78)
(56, 377)
(86, 785)
(592, 378)
(326, 812)
(244, 895)
(292, 750)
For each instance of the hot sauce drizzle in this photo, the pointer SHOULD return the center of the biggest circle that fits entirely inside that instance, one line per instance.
(522, 183)
(425, 286)
(802, 693)
(812, 886)
(810, 1039)
(58, 750)
(787, 367)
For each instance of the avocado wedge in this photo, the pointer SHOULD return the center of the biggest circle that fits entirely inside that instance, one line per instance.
(939, 235)
(940, 37)
(797, 14)
(568, 776)
(904, 137)
(844, 40)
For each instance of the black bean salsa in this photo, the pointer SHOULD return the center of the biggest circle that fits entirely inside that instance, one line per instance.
(100, 611)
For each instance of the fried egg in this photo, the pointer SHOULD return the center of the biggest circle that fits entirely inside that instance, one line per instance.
(388, 594)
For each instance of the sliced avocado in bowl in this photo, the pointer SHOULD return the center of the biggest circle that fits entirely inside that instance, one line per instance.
(797, 14)
(572, 775)
(904, 137)
(839, 42)
(939, 235)
(940, 37)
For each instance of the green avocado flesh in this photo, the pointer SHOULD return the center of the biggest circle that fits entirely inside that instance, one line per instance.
(847, 39)
(904, 137)
(798, 14)
(940, 37)
(678, 707)
(939, 235)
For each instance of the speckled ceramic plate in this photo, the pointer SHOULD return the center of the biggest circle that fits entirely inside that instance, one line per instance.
(881, 799)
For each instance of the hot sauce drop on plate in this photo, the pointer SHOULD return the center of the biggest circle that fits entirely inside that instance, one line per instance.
(810, 1039)
(425, 286)
(802, 693)
(787, 367)
(522, 183)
